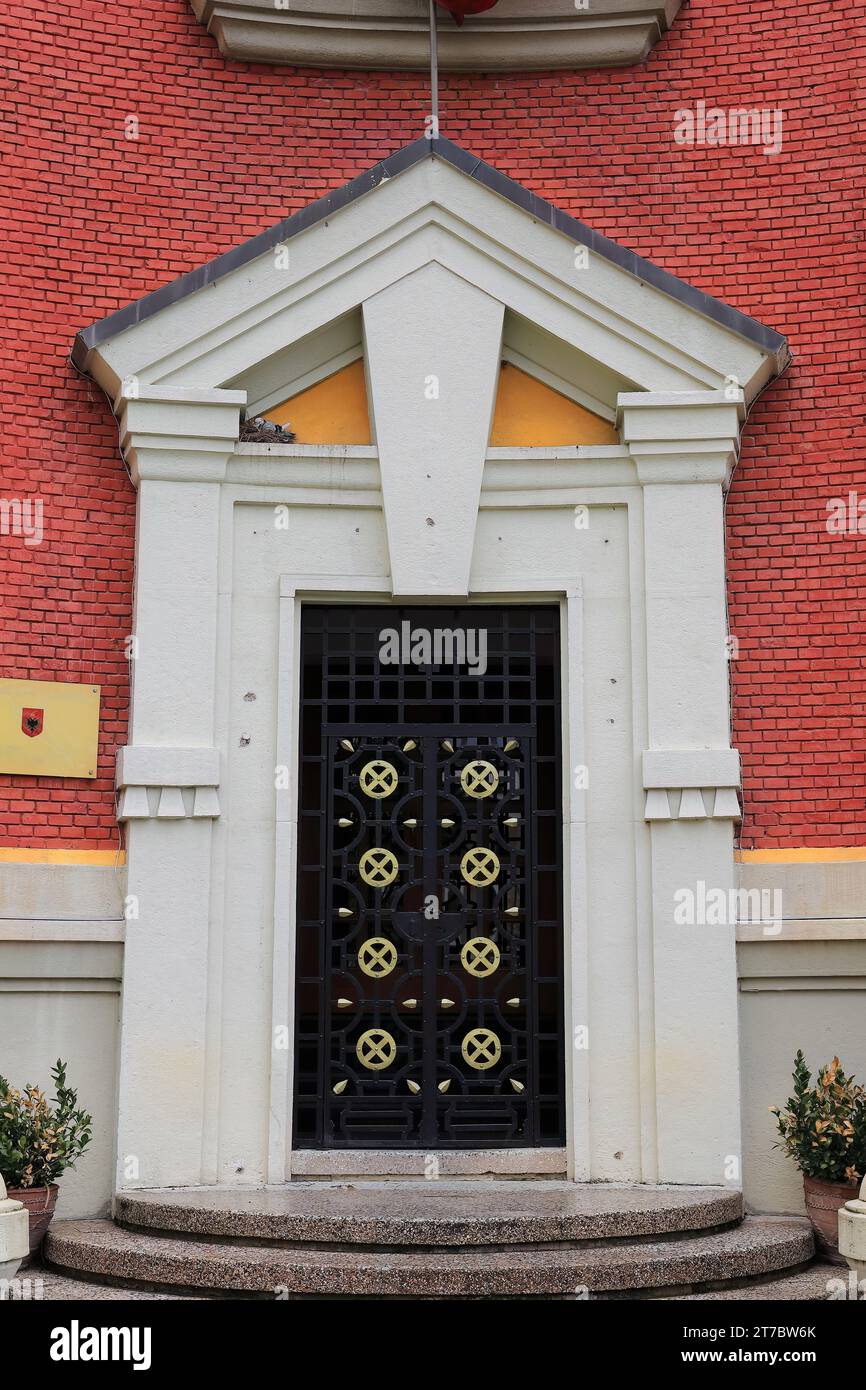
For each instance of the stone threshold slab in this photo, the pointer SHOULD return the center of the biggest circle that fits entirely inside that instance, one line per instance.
(416, 1163)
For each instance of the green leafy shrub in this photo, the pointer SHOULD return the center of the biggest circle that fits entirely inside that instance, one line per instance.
(823, 1127)
(40, 1140)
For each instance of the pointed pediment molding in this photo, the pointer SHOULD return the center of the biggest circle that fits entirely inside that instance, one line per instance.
(432, 394)
(432, 202)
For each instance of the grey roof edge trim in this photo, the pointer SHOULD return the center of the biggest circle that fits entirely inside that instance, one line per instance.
(767, 339)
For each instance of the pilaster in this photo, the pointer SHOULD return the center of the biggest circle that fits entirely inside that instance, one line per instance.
(177, 444)
(684, 446)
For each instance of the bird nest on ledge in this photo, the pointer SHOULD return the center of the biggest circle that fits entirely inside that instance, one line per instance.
(258, 430)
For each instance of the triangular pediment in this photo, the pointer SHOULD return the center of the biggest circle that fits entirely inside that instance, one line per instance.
(431, 203)
(386, 310)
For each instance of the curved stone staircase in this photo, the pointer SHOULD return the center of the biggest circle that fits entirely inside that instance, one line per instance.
(448, 1239)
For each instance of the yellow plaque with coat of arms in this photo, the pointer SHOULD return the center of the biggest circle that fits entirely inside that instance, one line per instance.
(49, 728)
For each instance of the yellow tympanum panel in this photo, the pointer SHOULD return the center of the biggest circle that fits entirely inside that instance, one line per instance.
(334, 411)
(49, 728)
(530, 414)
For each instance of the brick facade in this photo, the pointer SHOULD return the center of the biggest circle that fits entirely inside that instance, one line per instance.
(95, 218)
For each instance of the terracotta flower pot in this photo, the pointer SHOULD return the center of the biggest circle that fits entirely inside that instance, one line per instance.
(40, 1203)
(823, 1200)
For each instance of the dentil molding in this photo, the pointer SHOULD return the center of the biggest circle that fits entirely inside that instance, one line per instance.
(691, 784)
(518, 35)
(167, 783)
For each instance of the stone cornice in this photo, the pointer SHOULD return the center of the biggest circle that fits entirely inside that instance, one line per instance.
(519, 35)
(691, 767)
(139, 766)
(687, 436)
(178, 433)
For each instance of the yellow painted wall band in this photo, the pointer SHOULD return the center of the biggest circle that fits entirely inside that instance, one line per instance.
(819, 854)
(95, 858)
(853, 854)
(804, 855)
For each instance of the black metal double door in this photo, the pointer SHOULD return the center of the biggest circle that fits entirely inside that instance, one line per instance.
(428, 980)
(434, 1018)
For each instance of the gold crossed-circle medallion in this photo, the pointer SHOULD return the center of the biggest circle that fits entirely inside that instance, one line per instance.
(378, 867)
(378, 778)
(479, 779)
(480, 956)
(376, 1049)
(479, 866)
(377, 957)
(481, 1049)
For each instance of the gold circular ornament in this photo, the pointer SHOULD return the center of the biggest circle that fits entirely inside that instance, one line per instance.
(377, 957)
(378, 867)
(479, 866)
(480, 956)
(376, 1049)
(481, 1049)
(479, 779)
(378, 778)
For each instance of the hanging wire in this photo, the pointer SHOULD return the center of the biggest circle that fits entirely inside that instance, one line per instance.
(434, 75)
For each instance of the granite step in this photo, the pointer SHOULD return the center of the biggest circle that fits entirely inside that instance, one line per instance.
(47, 1286)
(455, 1214)
(817, 1284)
(761, 1245)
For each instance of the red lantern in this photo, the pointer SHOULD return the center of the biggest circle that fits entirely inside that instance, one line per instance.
(461, 8)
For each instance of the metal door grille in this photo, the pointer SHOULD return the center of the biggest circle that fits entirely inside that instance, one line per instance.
(429, 985)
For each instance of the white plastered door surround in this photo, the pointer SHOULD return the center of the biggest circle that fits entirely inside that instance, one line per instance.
(233, 538)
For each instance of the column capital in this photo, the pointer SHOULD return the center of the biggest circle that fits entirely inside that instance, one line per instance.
(682, 436)
(178, 433)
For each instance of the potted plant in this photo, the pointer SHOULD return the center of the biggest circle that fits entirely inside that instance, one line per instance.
(823, 1128)
(38, 1142)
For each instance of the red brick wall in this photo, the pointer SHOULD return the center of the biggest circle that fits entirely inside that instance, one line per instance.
(93, 220)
